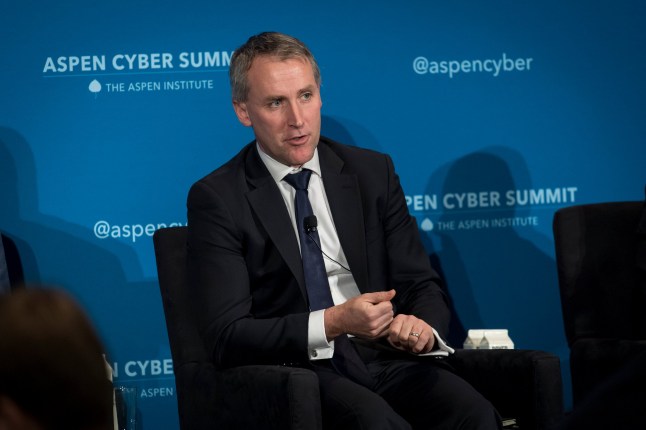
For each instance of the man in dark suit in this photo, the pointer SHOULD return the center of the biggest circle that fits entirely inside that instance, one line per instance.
(255, 305)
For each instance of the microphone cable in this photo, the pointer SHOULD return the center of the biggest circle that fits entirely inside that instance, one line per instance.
(310, 223)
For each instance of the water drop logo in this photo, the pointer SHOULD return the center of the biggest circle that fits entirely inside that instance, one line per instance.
(95, 87)
(427, 225)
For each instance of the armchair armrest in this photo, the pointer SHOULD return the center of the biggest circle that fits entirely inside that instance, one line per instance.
(521, 384)
(271, 397)
(593, 360)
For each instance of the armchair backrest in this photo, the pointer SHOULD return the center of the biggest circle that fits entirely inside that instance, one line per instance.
(596, 255)
(170, 252)
(195, 375)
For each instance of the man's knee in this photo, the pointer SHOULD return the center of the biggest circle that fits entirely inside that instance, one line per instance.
(365, 416)
(479, 414)
(346, 405)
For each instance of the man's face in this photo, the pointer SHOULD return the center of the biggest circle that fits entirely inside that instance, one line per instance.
(283, 107)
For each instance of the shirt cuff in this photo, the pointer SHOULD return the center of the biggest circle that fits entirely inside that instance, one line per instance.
(318, 348)
(443, 350)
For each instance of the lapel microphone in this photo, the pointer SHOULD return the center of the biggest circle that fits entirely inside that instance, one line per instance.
(310, 223)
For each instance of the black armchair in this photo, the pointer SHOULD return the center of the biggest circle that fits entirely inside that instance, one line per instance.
(603, 289)
(525, 385)
(247, 397)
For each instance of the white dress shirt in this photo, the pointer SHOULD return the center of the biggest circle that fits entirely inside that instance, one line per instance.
(342, 284)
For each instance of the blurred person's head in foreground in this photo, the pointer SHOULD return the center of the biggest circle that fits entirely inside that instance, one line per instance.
(52, 372)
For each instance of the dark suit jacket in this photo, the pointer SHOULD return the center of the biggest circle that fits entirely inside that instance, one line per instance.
(246, 277)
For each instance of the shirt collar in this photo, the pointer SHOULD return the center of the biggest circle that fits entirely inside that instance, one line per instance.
(278, 170)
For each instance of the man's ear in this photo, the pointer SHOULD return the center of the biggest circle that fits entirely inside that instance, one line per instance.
(241, 112)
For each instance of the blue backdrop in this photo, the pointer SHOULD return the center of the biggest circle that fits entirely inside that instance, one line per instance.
(496, 114)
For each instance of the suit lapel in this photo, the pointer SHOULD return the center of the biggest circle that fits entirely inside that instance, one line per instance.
(267, 202)
(344, 197)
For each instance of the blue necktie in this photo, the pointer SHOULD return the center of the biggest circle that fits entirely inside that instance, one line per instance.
(346, 360)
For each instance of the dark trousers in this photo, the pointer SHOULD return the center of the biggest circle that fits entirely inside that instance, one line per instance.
(408, 394)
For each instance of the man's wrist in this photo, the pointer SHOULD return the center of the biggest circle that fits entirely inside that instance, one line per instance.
(333, 324)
